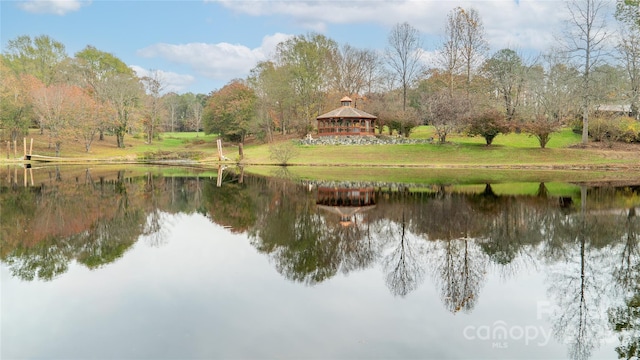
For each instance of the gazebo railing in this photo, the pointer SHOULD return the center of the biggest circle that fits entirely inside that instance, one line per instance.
(344, 130)
(354, 129)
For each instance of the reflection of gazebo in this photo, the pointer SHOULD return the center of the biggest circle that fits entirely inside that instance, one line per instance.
(346, 120)
(346, 202)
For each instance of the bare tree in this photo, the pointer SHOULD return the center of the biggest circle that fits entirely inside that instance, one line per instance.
(375, 72)
(356, 70)
(629, 52)
(387, 108)
(172, 104)
(449, 55)
(447, 113)
(585, 39)
(553, 88)
(283, 152)
(154, 86)
(473, 44)
(196, 110)
(403, 56)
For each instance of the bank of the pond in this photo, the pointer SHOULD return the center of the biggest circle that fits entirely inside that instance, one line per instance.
(510, 152)
(445, 175)
(453, 155)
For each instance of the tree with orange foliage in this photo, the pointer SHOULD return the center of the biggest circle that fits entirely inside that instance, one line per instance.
(230, 110)
(542, 127)
(86, 115)
(47, 103)
(488, 124)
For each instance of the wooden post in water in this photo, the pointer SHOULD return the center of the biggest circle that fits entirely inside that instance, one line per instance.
(219, 143)
(24, 142)
(31, 149)
(219, 179)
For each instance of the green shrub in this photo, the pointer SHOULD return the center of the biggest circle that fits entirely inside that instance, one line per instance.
(602, 129)
(169, 155)
(610, 130)
(629, 129)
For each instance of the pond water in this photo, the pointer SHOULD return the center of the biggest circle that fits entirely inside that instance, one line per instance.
(124, 264)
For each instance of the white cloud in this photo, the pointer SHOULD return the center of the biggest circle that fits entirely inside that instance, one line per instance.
(527, 24)
(172, 82)
(56, 7)
(222, 61)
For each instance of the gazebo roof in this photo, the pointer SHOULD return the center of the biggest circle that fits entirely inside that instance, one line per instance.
(346, 213)
(346, 112)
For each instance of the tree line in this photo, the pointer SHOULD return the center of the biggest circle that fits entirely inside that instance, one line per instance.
(86, 96)
(589, 79)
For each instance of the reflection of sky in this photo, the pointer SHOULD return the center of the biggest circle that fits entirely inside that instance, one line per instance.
(207, 293)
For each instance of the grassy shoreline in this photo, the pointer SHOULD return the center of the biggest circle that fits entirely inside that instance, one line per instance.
(509, 152)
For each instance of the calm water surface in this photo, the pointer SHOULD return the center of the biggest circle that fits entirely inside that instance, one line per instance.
(129, 265)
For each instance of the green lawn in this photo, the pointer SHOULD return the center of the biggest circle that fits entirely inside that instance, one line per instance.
(421, 175)
(507, 150)
(562, 139)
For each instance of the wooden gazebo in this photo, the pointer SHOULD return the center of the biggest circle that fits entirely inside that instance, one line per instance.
(346, 120)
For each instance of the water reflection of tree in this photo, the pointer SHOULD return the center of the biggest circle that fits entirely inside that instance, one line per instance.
(18, 205)
(356, 243)
(292, 233)
(457, 262)
(456, 235)
(625, 319)
(579, 284)
(404, 264)
(41, 261)
(92, 221)
(153, 227)
(515, 228)
(460, 270)
(112, 236)
(305, 243)
(231, 205)
(68, 226)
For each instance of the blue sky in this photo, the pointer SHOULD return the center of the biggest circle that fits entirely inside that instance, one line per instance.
(199, 46)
